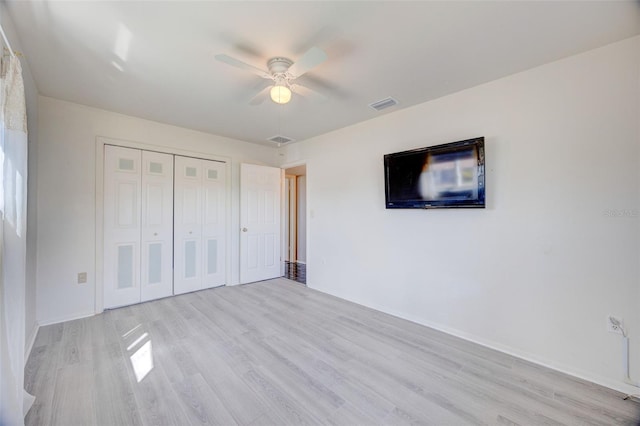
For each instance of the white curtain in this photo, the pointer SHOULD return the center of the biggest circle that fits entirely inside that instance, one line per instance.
(13, 212)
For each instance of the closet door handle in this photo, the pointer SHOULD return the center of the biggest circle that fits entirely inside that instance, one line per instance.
(244, 229)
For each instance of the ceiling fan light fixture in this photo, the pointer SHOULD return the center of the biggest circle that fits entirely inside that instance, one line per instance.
(280, 94)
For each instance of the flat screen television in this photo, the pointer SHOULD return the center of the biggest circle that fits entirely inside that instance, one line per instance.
(441, 176)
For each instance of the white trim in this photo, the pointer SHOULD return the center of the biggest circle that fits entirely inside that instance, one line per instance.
(65, 318)
(30, 341)
(163, 149)
(621, 387)
(308, 222)
(283, 221)
(99, 231)
(101, 141)
(291, 217)
(562, 368)
(307, 213)
(294, 164)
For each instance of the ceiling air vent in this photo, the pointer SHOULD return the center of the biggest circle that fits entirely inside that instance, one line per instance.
(279, 139)
(384, 103)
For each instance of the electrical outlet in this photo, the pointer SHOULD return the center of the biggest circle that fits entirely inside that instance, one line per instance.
(82, 278)
(614, 324)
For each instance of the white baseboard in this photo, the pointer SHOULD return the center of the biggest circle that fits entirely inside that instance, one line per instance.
(602, 381)
(619, 386)
(31, 339)
(58, 320)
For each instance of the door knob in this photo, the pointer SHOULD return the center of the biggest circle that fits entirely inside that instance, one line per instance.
(155, 234)
(244, 229)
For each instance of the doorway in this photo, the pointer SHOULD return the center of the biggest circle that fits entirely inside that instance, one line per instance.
(295, 223)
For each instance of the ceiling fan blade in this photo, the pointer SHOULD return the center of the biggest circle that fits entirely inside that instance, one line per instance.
(242, 65)
(261, 96)
(311, 59)
(308, 93)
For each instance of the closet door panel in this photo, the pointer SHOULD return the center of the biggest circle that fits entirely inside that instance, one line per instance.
(157, 226)
(214, 223)
(122, 209)
(188, 209)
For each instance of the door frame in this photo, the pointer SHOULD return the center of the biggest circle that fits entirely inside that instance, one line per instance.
(307, 214)
(101, 141)
(291, 216)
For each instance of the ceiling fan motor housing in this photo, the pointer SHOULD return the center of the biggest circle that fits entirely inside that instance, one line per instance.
(279, 65)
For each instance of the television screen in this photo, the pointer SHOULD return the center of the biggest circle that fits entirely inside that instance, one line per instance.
(442, 176)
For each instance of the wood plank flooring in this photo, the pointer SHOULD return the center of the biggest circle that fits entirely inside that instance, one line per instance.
(278, 353)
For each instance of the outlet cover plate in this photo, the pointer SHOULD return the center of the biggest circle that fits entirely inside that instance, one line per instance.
(611, 327)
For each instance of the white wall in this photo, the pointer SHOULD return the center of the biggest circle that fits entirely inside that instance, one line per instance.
(66, 194)
(537, 271)
(31, 94)
(301, 196)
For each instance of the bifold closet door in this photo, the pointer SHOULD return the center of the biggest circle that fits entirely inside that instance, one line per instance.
(122, 213)
(138, 226)
(157, 226)
(199, 225)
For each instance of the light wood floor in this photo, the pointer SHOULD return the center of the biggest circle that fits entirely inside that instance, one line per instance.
(279, 353)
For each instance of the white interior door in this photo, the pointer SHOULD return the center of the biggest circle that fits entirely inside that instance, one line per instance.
(157, 226)
(122, 201)
(260, 222)
(199, 226)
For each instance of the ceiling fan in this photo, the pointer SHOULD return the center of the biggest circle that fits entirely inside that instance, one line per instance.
(282, 72)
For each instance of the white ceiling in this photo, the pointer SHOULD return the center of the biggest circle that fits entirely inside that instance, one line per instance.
(155, 60)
